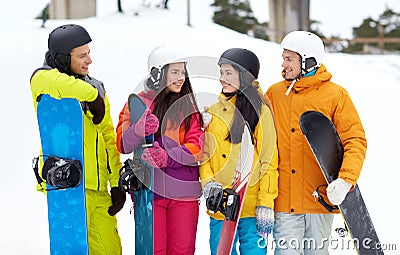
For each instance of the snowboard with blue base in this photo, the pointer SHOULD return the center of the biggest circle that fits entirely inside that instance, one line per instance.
(61, 134)
(143, 198)
(239, 185)
(327, 148)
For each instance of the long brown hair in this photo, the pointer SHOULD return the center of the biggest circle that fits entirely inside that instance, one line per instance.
(173, 108)
(249, 102)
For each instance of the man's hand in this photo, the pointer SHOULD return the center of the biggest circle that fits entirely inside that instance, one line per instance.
(337, 191)
(98, 109)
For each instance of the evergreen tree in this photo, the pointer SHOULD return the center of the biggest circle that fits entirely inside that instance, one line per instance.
(234, 14)
(389, 21)
(368, 28)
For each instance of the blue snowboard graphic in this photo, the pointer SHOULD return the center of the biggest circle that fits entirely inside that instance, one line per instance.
(61, 133)
(144, 243)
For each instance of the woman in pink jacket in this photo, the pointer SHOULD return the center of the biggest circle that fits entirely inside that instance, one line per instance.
(174, 119)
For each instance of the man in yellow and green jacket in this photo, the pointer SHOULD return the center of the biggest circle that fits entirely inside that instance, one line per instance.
(65, 75)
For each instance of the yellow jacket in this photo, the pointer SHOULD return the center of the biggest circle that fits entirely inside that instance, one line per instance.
(220, 157)
(299, 172)
(102, 160)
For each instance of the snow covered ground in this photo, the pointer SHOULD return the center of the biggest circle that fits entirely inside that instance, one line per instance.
(121, 44)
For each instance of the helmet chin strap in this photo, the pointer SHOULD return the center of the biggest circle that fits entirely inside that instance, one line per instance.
(293, 81)
(298, 78)
(63, 63)
(307, 67)
(291, 86)
(155, 77)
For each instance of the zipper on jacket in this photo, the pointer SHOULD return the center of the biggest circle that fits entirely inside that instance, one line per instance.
(97, 160)
(108, 163)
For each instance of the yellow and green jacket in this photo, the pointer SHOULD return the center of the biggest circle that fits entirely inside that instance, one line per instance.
(220, 157)
(101, 157)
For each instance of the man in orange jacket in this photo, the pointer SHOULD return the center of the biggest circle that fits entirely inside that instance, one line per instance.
(307, 86)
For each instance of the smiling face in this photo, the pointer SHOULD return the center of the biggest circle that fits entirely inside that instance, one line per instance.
(229, 78)
(80, 60)
(175, 77)
(291, 64)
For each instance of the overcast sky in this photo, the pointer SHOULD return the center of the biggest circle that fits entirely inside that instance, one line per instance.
(336, 17)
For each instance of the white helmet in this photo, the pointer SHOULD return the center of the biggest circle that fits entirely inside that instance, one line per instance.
(308, 45)
(160, 57)
(164, 55)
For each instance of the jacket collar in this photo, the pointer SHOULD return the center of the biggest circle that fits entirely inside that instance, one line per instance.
(224, 100)
(322, 75)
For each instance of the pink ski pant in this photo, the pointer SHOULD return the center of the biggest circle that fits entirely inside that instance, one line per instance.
(175, 226)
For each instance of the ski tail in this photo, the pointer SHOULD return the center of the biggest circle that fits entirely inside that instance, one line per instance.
(240, 183)
(245, 159)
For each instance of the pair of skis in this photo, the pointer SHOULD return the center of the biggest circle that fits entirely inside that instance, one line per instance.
(239, 186)
(230, 200)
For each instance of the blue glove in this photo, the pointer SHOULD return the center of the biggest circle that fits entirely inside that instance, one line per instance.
(265, 221)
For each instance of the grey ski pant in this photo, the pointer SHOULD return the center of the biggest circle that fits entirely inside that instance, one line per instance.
(302, 234)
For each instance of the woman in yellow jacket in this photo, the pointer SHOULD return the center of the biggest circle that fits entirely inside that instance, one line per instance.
(307, 86)
(241, 101)
(65, 75)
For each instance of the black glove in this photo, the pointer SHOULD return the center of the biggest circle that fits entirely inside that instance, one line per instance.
(118, 198)
(98, 109)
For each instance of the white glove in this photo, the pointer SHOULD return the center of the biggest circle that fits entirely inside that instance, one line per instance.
(337, 191)
(265, 220)
(207, 117)
(209, 185)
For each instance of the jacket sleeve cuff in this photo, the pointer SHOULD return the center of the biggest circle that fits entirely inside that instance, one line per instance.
(130, 140)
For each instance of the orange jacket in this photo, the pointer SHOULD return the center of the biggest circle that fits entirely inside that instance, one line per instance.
(299, 173)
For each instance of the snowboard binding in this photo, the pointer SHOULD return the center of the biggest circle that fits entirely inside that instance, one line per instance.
(62, 173)
(134, 176)
(226, 201)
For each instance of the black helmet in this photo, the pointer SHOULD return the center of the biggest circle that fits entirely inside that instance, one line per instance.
(62, 40)
(243, 58)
